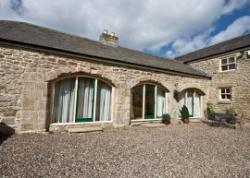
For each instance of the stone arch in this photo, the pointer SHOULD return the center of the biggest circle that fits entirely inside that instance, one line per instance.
(194, 88)
(187, 86)
(150, 81)
(60, 76)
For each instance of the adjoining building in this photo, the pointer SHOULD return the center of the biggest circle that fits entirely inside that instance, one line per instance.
(228, 64)
(55, 81)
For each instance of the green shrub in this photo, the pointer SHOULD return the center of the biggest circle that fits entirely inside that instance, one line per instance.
(176, 95)
(210, 107)
(184, 114)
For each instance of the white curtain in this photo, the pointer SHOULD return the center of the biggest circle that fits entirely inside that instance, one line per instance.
(104, 102)
(189, 102)
(64, 101)
(85, 98)
(161, 102)
(197, 105)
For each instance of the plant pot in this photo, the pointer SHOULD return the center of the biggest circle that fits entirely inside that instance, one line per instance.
(166, 122)
(185, 121)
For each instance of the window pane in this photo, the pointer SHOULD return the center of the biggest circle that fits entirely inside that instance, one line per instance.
(103, 104)
(64, 100)
(229, 97)
(149, 102)
(223, 68)
(161, 104)
(223, 91)
(137, 102)
(223, 96)
(231, 60)
(232, 66)
(189, 102)
(85, 100)
(227, 90)
(224, 61)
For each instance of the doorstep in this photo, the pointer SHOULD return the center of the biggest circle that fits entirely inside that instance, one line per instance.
(147, 123)
(79, 127)
(84, 130)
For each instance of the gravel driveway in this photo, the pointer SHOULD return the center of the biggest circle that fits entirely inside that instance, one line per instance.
(194, 150)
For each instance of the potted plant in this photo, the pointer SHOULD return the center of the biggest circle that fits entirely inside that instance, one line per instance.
(184, 114)
(166, 118)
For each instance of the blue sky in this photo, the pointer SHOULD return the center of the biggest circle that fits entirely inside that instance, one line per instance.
(219, 26)
(166, 28)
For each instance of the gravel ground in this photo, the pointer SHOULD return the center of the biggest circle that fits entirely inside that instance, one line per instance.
(194, 150)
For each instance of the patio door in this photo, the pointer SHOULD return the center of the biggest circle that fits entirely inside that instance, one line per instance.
(192, 100)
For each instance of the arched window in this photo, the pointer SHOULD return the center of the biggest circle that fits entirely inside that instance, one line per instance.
(81, 99)
(192, 98)
(148, 102)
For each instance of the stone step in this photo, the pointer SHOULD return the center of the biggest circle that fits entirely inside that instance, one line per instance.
(85, 129)
(153, 125)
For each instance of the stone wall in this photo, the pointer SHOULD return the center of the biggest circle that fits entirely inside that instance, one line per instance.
(238, 79)
(26, 77)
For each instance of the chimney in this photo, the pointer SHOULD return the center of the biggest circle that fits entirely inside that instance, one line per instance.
(109, 38)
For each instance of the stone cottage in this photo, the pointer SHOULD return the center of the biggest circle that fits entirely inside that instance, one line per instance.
(56, 81)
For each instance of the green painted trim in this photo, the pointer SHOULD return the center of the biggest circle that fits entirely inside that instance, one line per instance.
(149, 117)
(84, 119)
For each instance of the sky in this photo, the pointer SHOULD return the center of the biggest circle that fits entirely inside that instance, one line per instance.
(166, 28)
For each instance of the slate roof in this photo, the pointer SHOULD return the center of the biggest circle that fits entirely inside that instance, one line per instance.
(37, 36)
(217, 49)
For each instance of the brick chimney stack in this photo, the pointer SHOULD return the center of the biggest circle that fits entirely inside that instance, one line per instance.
(108, 38)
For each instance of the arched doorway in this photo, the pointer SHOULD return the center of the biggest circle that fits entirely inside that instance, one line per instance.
(81, 99)
(192, 98)
(148, 102)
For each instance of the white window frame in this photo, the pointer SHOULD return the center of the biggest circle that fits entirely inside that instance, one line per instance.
(72, 120)
(221, 92)
(228, 63)
(155, 102)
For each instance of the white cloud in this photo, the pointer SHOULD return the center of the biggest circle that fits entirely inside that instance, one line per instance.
(139, 24)
(237, 28)
(184, 45)
(233, 4)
